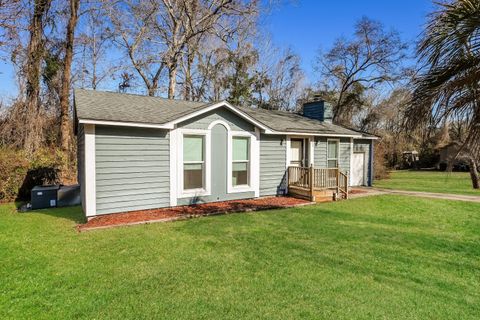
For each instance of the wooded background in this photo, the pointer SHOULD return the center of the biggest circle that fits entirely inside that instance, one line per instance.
(208, 50)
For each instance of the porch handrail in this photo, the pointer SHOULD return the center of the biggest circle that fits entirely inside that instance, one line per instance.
(311, 178)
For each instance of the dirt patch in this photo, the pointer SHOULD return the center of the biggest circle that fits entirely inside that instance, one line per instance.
(357, 191)
(174, 213)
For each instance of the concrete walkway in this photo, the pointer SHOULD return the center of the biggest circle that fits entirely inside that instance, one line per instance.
(446, 196)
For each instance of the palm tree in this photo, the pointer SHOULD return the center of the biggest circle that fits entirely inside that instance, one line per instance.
(448, 85)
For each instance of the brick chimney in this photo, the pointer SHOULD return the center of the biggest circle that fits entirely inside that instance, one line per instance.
(318, 109)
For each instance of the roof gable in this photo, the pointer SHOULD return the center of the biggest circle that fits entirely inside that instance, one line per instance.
(109, 108)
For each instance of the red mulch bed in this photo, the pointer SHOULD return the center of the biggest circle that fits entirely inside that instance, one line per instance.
(141, 216)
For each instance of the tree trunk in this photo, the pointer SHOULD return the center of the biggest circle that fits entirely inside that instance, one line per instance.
(32, 128)
(172, 81)
(65, 93)
(188, 75)
(474, 174)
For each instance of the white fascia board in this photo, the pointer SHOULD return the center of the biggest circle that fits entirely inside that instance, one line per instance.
(125, 124)
(368, 138)
(293, 133)
(89, 171)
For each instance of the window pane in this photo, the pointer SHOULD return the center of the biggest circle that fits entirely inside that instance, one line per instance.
(332, 149)
(240, 173)
(240, 149)
(192, 176)
(332, 164)
(297, 151)
(192, 148)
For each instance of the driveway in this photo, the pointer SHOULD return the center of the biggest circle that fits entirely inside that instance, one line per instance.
(446, 196)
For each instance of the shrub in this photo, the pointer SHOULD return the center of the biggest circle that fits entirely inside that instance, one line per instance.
(20, 172)
(380, 169)
(13, 169)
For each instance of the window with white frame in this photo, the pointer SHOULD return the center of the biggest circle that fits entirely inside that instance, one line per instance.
(240, 161)
(193, 162)
(332, 153)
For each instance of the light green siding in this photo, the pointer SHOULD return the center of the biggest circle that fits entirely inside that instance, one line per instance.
(219, 172)
(272, 164)
(203, 121)
(132, 169)
(320, 153)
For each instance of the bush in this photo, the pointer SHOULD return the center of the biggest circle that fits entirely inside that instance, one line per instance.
(20, 172)
(380, 169)
(13, 169)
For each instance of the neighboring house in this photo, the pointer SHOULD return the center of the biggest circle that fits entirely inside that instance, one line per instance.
(137, 152)
(450, 154)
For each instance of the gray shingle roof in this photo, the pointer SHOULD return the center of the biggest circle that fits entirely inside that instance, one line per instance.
(119, 107)
(292, 122)
(111, 106)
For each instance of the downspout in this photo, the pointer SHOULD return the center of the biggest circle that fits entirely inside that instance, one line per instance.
(370, 176)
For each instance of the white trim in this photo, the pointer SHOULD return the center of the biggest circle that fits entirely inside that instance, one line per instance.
(311, 151)
(288, 154)
(174, 141)
(223, 123)
(171, 124)
(90, 183)
(351, 161)
(307, 142)
(125, 124)
(256, 163)
(215, 106)
(292, 133)
(207, 164)
(253, 162)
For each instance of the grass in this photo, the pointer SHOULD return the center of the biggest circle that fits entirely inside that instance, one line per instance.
(387, 257)
(429, 181)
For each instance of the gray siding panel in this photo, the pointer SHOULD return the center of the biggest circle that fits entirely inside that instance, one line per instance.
(272, 164)
(203, 121)
(132, 169)
(344, 156)
(320, 153)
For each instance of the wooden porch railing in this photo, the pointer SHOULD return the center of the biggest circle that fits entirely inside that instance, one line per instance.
(303, 181)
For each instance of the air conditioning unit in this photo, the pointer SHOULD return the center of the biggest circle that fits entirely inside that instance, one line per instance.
(44, 197)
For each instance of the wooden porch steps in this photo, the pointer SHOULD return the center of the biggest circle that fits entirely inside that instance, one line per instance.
(317, 184)
(323, 196)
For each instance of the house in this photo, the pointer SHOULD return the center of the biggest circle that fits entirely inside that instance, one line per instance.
(453, 154)
(137, 152)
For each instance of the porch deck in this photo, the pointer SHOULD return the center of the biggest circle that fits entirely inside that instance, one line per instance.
(317, 184)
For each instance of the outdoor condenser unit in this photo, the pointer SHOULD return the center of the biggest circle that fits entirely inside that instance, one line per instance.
(44, 197)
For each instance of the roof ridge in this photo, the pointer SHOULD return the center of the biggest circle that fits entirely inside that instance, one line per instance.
(138, 95)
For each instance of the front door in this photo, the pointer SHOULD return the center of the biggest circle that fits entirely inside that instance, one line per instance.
(299, 152)
(358, 169)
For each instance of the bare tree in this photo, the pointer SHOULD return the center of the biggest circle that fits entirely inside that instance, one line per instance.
(95, 41)
(133, 31)
(186, 20)
(35, 51)
(285, 81)
(352, 67)
(10, 12)
(67, 66)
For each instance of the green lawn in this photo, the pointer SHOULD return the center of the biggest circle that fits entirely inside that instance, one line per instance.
(429, 181)
(388, 257)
